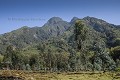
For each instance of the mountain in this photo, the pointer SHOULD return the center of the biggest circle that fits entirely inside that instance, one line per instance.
(73, 20)
(54, 27)
(57, 36)
(25, 36)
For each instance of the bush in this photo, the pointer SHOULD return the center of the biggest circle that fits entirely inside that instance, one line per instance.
(114, 52)
(117, 69)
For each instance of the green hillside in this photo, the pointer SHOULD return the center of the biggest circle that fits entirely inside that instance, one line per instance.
(82, 44)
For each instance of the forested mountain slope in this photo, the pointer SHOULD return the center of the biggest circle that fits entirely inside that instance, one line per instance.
(62, 45)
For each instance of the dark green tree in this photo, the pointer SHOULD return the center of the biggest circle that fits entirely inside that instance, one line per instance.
(80, 32)
(8, 58)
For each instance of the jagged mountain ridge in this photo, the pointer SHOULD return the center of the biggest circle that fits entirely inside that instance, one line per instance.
(55, 27)
(27, 36)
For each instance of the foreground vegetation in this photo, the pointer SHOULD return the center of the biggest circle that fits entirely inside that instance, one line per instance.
(27, 75)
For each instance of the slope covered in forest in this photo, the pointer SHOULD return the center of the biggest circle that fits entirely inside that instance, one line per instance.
(53, 46)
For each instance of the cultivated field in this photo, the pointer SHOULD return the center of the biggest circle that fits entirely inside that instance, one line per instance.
(25, 75)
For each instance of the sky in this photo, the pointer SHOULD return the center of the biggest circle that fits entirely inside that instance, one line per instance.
(17, 13)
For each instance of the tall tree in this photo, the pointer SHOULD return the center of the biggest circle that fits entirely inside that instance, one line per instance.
(80, 33)
(10, 50)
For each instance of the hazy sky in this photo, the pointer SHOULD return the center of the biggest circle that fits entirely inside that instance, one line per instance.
(17, 13)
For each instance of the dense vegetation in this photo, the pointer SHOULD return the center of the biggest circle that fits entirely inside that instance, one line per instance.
(87, 44)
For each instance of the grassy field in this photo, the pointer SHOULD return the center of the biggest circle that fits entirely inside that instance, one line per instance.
(25, 75)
